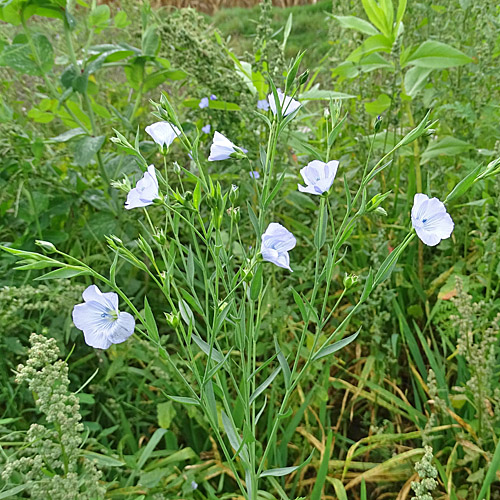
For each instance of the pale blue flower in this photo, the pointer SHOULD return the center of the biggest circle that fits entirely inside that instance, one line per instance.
(213, 97)
(430, 219)
(100, 320)
(277, 241)
(206, 129)
(263, 104)
(288, 105)
(194, 485)
(204, 103)
(145, 191)
(222, 148)
(254, 174)
(318, 176)
(163, 133)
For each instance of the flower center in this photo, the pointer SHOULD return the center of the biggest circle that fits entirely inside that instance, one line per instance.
(110, 315)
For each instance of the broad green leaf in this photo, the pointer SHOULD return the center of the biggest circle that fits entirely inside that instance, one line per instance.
(121, 20)
(157, 78)
(377, 16)
(68, 135)
(436, 55)
(376, 43)
(99, 16)
(347, 69)
(151, 41)
(379, 105)
(166, 413)
(447, 146)
(415, 80)
(358, 24)
(373, 62)
(317, 94)
(86, 148)
(20, 57)
(12, 492)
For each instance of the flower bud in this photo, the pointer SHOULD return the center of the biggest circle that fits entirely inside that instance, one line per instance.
(303, 77)
(378, 123)
(172, 320)
(233, 194)
(46, 245)
(234, 213)
(159, 236)
(350, 280)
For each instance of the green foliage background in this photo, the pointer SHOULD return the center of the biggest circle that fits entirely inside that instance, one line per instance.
(425, 367)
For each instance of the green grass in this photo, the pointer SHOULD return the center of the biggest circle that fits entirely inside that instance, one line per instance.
(309, 30)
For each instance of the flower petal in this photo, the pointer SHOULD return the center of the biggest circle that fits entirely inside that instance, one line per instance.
(96, 339)
(109, 299)
(418, 201)
(430, 239)
(122, 328)
(163, 133)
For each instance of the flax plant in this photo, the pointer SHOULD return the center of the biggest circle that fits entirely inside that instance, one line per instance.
(213, 299)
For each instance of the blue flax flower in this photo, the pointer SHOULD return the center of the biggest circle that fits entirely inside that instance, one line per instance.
(263, 104)
(277, 241)
(288, 105)
(430, 219)
(145, 191)
(254, 174)
(206, 129)
(163, 133)
(204, 103)
(100, 320)
(318, 176)
(222, 148)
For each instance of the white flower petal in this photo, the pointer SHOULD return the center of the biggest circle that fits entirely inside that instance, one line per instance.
(221, 148)
(109, 299)
(430, 239)
(122, 328)
(145, 191)
(96, 339)
(418, 200)
(163, 133)
(431, 221)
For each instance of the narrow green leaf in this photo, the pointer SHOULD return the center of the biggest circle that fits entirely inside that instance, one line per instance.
(283, 363)
(214, 353)
(326, 351)
(151, 326)
(148, 450)
(262, 387)
(183, 400)
(64, 273)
